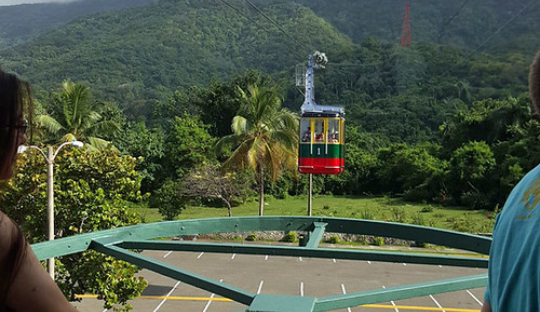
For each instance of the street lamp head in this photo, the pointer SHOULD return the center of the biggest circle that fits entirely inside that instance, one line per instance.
(22, 149)
(77, 144)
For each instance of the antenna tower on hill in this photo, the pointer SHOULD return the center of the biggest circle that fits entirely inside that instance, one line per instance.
(406, 33)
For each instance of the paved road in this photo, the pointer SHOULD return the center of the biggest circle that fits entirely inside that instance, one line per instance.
(293, 276)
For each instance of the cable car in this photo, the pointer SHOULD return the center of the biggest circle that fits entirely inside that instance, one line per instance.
(322, 139)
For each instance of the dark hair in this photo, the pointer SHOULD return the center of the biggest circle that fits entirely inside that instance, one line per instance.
(534, 84)
(15, 104)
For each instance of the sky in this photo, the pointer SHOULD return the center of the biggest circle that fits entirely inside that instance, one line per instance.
(14, 2)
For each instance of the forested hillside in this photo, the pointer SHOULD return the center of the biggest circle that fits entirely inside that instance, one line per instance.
(139, 53)
(467, 24)
(138, 57)
(20, 23)
(509, 25)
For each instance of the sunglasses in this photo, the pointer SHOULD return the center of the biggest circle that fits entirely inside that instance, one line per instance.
(22, 126)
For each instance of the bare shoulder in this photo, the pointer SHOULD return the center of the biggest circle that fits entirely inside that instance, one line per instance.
(6, 234)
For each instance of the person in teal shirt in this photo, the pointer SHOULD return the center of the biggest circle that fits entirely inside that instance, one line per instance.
(514, 259)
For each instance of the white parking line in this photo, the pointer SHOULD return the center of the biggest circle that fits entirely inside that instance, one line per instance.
(440, 307)
(210, 301)
(233, 255)
(266, 258)
(167, 254)
(368, 262)
(166, 296)
(474, 297)
(300, 258)
(392, 302)
(301, 289)
(334, 260)
(200, 255)
(345, 292)
(260, 287)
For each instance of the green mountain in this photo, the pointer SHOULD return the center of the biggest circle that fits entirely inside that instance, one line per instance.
(488, 25)
(137, 53)
(21, 23)
(137, 56)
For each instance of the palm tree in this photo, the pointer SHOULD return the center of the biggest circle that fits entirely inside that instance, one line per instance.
(264, 137)
(77, 116)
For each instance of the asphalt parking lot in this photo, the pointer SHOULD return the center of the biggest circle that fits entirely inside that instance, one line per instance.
(292, 276)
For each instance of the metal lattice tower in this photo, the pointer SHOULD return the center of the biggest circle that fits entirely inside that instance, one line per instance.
(406, 33)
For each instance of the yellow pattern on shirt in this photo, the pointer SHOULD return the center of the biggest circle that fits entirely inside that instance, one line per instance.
(534, 191)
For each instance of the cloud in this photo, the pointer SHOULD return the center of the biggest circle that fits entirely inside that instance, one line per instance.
(15, 2)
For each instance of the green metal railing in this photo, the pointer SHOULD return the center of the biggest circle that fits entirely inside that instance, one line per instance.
(118, 242)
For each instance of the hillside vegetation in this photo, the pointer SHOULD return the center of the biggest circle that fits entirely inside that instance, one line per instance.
(465, 24)
(137, 53)
(21, 23)
(140, 56)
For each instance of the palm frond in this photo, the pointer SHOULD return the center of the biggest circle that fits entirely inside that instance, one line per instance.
(69, 137)
(102, 128)
(240, 158)
(50, 124)
(239, 125)
(267, 133)
(225, 142)
(100, 144)
(273, 154)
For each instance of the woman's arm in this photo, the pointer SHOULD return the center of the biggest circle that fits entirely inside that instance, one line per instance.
(486, 307)
(32, 288)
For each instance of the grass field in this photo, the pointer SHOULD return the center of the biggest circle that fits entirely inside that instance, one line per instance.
(373, 208)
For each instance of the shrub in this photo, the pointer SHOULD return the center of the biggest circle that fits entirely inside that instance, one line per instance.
(464, 224)
(290, 237)
(418, 219)
(251, 237)
(367, 215)
(168, 200)
(334, 239)
(398, 214)
(439, 215)
(378, 241)
(419, 244)
(427, 209)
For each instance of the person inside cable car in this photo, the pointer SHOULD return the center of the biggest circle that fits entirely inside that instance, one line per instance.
(319, 137)
(307, 135)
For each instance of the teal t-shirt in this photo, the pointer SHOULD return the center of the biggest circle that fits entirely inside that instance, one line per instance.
(514, 261)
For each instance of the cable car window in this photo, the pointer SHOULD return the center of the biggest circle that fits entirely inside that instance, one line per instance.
(305, 130)
(333, 130)
(319, 130)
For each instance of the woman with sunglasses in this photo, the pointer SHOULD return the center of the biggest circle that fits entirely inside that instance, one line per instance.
(24, 284)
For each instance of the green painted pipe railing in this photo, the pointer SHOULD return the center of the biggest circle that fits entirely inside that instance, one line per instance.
(117, 242)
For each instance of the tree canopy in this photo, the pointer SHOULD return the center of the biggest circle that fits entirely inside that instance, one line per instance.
(264, 136)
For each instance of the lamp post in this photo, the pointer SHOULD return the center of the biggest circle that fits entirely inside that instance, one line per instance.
(49, 159)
